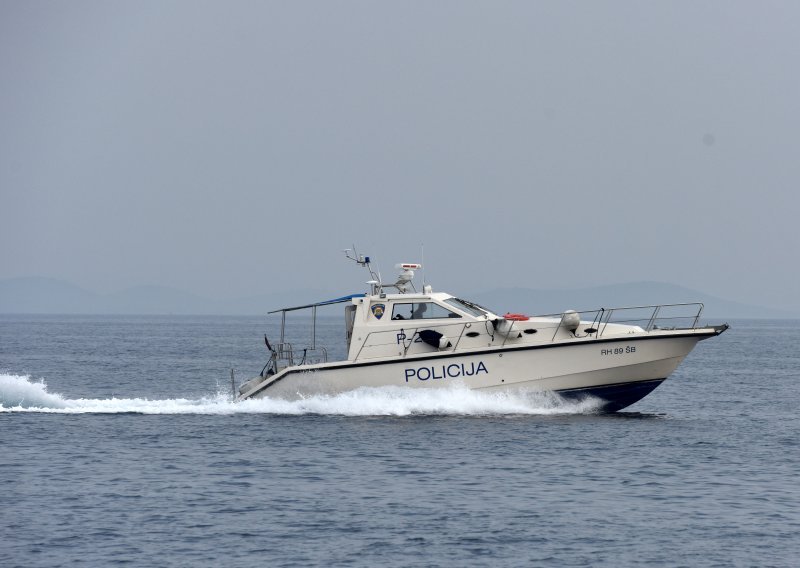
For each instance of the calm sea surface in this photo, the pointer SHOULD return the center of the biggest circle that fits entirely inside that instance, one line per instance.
(119, 445)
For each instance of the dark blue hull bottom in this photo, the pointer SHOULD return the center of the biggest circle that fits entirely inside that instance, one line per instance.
(616, 397)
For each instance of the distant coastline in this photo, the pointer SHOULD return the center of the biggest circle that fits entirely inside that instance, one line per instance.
(39, 295)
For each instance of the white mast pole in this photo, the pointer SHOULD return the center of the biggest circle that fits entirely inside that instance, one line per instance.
(422, 261)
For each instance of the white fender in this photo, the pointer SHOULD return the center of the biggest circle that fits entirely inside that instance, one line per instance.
(571, 319)
(508, 328)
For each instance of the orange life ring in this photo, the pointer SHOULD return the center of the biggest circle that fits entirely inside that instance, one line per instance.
(516, 317)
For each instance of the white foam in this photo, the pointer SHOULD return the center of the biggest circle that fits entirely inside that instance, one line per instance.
(21, 394)
(19, 391)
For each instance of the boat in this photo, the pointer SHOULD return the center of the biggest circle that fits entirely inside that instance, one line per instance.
(397, 336)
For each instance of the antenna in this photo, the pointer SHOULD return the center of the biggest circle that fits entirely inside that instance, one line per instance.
(375, 279)
(352, 254)
(422, 261)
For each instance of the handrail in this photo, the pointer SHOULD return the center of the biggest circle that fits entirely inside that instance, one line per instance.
(619, 308)
(508, 333)
(602, 317)
(560, 321)
(460, 335)
(598, 318)
(654, 317)
(697, 317)
(285, 352)
(413, 333)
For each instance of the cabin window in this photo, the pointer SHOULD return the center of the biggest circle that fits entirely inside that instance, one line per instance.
(421, 310)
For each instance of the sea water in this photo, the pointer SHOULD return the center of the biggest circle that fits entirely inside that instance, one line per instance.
(119, 444)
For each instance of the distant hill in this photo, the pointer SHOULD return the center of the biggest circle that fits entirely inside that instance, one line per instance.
(43, 295)
(37, 295)
(618, 295)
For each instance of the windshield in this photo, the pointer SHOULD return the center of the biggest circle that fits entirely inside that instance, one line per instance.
(471, 308)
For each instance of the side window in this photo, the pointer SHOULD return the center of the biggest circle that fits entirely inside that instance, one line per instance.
(421, 310)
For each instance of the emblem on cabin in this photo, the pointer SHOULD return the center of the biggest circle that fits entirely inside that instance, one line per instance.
(378, 309)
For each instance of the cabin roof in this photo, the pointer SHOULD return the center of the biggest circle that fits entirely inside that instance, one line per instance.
(316, 304)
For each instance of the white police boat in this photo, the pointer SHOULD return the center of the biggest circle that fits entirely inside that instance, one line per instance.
(432, 339)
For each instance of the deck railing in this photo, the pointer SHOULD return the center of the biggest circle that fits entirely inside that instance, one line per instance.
(287, 356)
(649, 318)
(660, 316)
(405, 337)
(657, 316)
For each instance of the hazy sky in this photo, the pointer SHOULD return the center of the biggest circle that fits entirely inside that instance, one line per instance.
(232, 148)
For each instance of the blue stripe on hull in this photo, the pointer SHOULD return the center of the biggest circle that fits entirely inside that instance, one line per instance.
(616, 397)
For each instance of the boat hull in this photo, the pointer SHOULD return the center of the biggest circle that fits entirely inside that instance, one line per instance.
(613, 397)
(617, 371)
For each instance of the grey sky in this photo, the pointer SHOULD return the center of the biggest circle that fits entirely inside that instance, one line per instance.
(232, 148)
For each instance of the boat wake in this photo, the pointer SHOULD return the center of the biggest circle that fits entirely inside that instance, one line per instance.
(22, 394)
